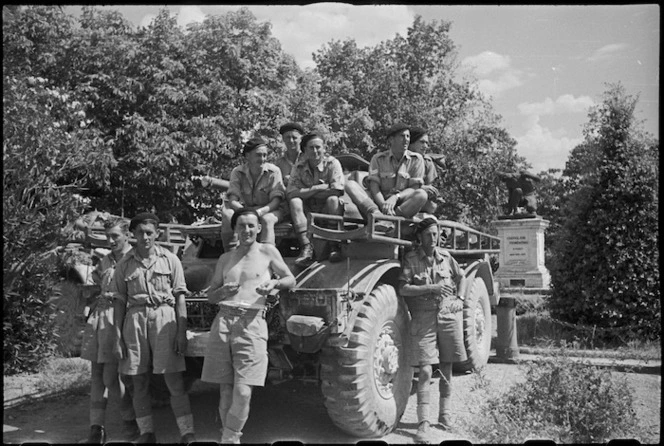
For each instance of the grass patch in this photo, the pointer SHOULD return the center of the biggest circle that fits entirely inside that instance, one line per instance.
(538, 329)
(561, 400)
(64, 374)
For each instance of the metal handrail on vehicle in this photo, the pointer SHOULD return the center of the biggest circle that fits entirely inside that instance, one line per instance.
(483, 244)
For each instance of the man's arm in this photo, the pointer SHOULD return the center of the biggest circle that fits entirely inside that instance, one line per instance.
(286, 279)
(118, 290)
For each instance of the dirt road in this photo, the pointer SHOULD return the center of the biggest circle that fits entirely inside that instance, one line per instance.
(293, 410)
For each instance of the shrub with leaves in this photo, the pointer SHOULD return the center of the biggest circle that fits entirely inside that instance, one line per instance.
(605, 261)
(561, 400)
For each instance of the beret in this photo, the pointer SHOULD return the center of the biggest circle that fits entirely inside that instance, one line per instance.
(396, 128)
(291, 126)
(141, 218)
(308, 137)
(252, 144)
(416, 133)
(425, 223)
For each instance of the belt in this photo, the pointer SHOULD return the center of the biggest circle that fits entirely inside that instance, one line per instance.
(148, 305)
(232, 311)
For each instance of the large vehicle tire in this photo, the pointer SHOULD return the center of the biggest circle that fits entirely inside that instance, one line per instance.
(366, 384)
(476, 328)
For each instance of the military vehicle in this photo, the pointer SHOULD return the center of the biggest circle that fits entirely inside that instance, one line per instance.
(344, 324)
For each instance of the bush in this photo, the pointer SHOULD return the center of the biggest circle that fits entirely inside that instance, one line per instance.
(561, 400)
(605, 262)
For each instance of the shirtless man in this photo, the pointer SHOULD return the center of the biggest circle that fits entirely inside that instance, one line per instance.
(236, 355)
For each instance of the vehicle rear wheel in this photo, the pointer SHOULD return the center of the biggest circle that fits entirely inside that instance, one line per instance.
(366, 384)
(476, 328)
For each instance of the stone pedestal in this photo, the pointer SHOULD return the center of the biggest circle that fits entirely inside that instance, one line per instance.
(522, 253)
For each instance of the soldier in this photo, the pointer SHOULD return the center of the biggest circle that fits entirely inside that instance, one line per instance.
(316, 185)
(99, 340)
(291, 133)
(431, 283)
(150, 313)
(395, 179)
(419, 143)
(236, 355)
(258, 185)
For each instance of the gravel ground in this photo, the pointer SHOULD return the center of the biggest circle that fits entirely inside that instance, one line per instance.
(294, 410)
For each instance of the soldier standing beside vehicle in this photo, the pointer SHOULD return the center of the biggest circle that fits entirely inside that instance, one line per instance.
(419, 143)
(258, 185)
(99, 340)
(395, 179)
(431, 283)
(291, 133)
(236, 355)
(316, 185)
(150, 312)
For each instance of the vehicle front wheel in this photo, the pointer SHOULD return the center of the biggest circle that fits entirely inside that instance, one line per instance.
(476, 328)
(366, 384)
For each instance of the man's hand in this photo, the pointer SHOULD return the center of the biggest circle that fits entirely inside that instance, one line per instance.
(229, 289)
(442, 289)
(420, 279)
(180, 345)
(389, 205)
(265, 288)
(431, 191)
(119, 349)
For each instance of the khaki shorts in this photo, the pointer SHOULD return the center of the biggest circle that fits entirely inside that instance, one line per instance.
(236, 352)
(149, 335)
(99, 336)
(436, 337)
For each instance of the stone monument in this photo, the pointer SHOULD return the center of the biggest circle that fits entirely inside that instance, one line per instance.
(521, 259)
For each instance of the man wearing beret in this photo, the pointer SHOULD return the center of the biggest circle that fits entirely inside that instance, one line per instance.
(419, 143)
(291, 133)
(257, 185)
(316, 185)
(150, 316)
(395, 179)
(432, 284)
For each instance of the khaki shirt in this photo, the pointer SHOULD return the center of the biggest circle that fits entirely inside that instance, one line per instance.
(393, 175)
(259, 193)
(286, 167)
(151, 281)
(329, 171)
(103, 274)
(430, 172)
(443, 268)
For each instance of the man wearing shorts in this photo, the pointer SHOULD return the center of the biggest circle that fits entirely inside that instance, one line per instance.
(429, 281)
(291, 134)
(149, 309)
(316, 185)
(236, 355)
(394, 183)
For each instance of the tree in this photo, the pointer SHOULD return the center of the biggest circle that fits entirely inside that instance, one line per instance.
(412, 79)
(605, 266)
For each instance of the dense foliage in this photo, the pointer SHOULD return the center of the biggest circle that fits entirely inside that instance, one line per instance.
(605, 265)
(560, 400)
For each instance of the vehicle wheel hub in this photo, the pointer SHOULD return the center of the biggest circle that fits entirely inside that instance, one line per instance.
(386, 363)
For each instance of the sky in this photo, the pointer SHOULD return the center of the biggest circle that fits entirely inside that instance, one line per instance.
(543, 66)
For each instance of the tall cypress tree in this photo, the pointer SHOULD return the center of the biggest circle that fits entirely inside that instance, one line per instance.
(605, 265)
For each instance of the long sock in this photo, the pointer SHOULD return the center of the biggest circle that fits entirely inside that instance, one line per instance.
(145, 424)
(423, 400)
(234, 423)
(185, 424)
(97, 412)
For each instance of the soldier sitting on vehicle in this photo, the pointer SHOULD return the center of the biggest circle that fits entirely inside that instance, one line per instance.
(395, 179)
(236, 353)
(291, 133)
(99, 340)
(316, 185)
(258, 185)
(431, 283)
(419, 143)
(151, 315)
